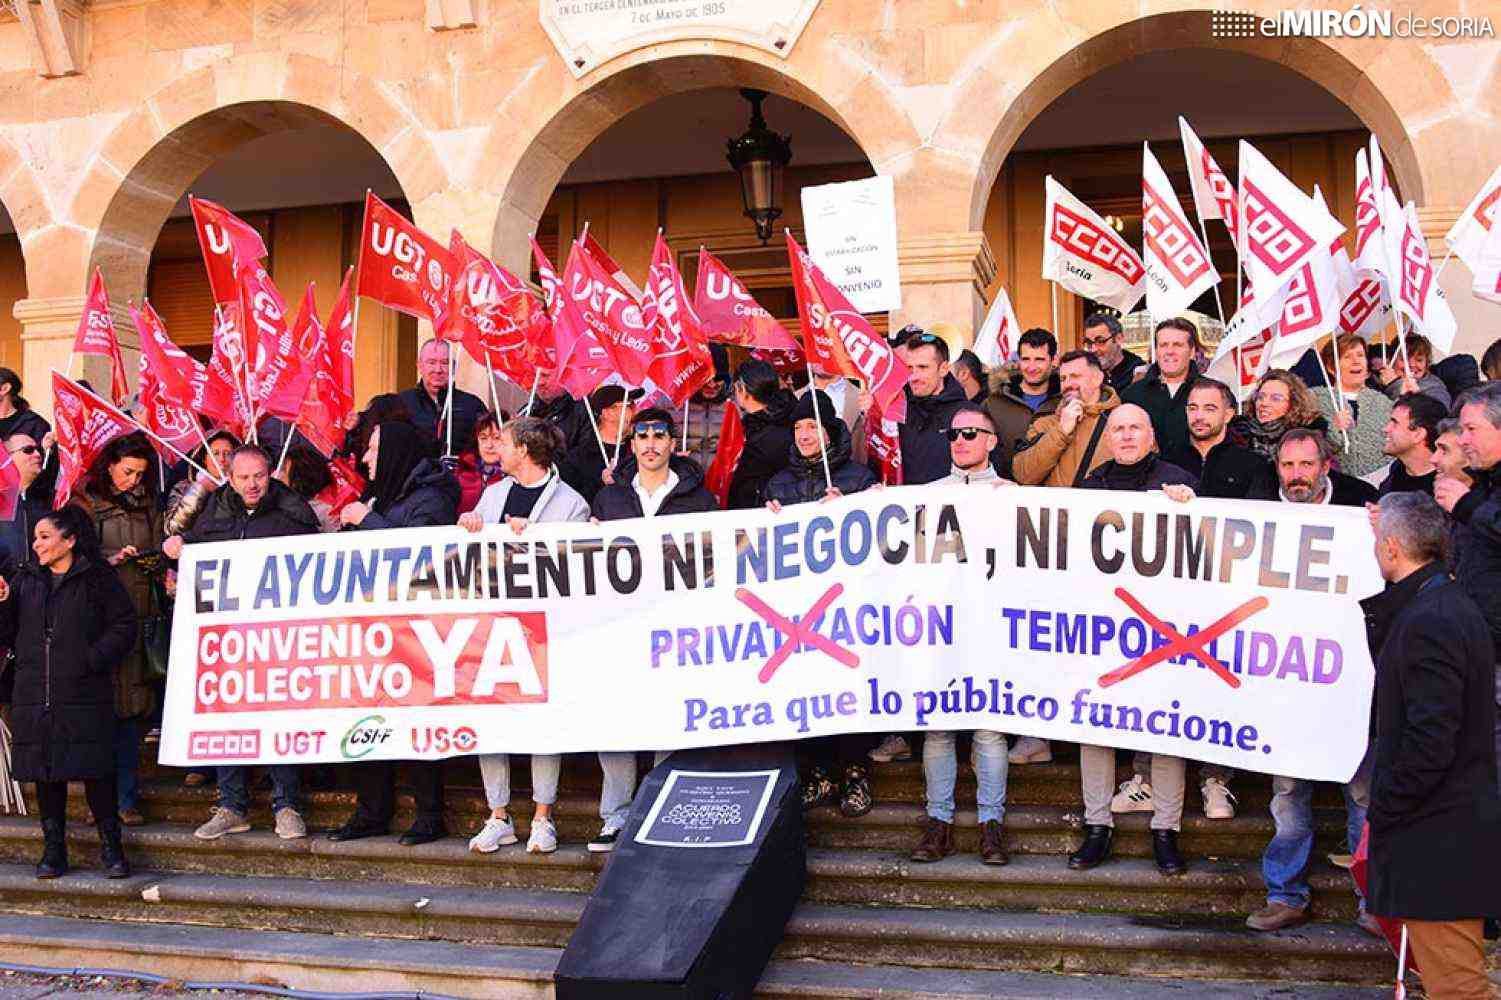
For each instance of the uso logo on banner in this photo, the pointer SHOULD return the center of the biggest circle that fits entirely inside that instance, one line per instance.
(380, 660)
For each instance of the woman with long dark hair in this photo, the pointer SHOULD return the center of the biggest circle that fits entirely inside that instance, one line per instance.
(408, 489)
(70, 622)
(118, 493)
(188, 495)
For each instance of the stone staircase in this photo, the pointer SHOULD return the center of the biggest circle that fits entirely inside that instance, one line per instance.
(373, 914)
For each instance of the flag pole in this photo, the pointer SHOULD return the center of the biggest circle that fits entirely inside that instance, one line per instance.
(1402, 343)
(1337, 390)
(1219, 308)
(823, 449)
(594, 425)
(1051, 284)
(494, 396)
(208, 453)
(1436, 275)
(143, 429)
(286, 446)
(448, 407)
(619, 430)
(686, 413)
(532, 396)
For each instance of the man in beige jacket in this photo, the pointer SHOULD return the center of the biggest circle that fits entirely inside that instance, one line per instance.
(1066, 440)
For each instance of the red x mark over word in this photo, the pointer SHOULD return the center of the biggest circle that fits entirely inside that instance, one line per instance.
(797, 632)
(1178, 644)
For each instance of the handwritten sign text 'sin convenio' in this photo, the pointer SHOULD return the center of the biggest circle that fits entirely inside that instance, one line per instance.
(590, 32)
(1219, 631)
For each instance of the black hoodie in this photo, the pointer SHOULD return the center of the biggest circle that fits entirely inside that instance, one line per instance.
(428, 497)
(619, 500)
(803, 480)
(768, 437)
(925, 451)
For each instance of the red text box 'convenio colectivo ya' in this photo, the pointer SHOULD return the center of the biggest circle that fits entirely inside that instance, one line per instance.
(411, 660)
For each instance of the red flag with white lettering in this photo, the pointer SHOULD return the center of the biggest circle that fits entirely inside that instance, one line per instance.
(728, 313)
(883, 442)
(175, 425)
(839, 341)
(176, 373)
(402, 267)
(220, 393)
(1085, 255)
(96, 335)
(347, 485)
(288, 374)
(721, 470)
(228, 242)
(10, 488)
(609, 309)
(1179, 268)
(494, 315)
(575, 360)
(607, 263)
(263, 321)
(330, 396)
(83, 424)
(681, 363)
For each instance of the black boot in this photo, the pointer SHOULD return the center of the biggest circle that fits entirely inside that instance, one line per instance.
(54, 849)
(1165, 849)
(111, 854)
(1095, 850)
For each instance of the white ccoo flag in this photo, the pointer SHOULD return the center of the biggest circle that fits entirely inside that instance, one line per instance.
(993, 344)
(1487, 268)
(1086, 256)
(1281, 227)
(1414, 291)
(1468, 234)
(1370, 245)
(1214, 195)
(1179, 268)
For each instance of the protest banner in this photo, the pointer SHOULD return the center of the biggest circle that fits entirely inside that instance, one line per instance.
(1222, 631)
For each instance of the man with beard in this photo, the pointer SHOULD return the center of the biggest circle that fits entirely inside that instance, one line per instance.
(1104, 338)
(1410, 436)
(1014, 402)
(1225, 469)
(1065, 441)
(1304, 475)
(1163, 390)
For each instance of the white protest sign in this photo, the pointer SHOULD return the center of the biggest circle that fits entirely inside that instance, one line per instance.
(1222, 631)
(851, 230)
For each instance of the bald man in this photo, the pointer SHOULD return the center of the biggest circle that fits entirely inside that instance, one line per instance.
(1137, 466)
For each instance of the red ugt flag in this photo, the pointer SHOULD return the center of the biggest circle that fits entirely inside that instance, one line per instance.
(10, 488)
(330, 396)
(220, 392)
(177, 375)
(494, 315)
(727, 455)
(346, 487)
(681, 362)
(96, 335)
(176, 425)
(288, 373)
(838, 339)
(84, 425)
(565, 336)
(402, 267)
(883, 441)
(729, 314)
(228, 242)
(609, 309)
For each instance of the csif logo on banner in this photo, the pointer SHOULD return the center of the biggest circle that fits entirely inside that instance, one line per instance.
(364, 736)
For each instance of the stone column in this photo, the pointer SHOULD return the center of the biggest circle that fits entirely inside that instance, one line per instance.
(48, 328)
(944, 277)
(1477, 321)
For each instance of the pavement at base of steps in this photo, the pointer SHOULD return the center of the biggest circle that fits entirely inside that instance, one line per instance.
(23, 986)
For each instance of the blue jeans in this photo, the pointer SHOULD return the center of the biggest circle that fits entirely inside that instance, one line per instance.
(619, 787)
(235, 796)
(127, 762)
(940, 769)
(1284, 865)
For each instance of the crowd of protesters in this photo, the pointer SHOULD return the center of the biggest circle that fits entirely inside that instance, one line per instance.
(1417, 443)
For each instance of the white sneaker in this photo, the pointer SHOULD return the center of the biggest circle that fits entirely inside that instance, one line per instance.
(892, 748)
(1135, 796)
(495, 834)
(1219, 802)
(1030, 750)
(544, 837)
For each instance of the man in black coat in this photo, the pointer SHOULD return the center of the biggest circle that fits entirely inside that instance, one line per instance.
(932, 397)
(1305, 474)
(583, 465)
(663, 483)
(1435, 814)
(428, 399)
(1411, 435)
(1104, 338)
(1136, 466)
(1163, 390)
(34, 501)
(1225, 470)
(813, 438)
(768, 432)
(250, 505)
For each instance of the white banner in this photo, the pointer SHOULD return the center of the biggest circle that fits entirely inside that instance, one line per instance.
(851, 228)
(1220, 631)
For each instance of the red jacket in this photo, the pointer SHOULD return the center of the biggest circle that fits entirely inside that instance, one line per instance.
(473, 481)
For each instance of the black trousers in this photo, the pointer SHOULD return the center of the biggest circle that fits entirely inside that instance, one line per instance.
(838, 752)
(52, 798)
(375, 786)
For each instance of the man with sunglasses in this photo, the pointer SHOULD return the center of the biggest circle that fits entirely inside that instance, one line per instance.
(971, 436)
(933, 395)
(662, 483)
(15, 535)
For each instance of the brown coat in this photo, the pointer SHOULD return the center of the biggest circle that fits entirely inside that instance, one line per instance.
(1048, 457)
(133, 519)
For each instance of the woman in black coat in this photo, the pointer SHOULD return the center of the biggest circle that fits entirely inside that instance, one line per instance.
(70, 622)
(407, 490)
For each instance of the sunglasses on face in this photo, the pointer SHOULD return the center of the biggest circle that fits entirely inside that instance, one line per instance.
(28, 449)
(652, 432)
(967, 433)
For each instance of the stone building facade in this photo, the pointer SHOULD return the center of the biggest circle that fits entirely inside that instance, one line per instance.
(111, 110)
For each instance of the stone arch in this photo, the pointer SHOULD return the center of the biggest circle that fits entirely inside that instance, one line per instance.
(523, 175)
(22, 198)
(152, 157)
(991, 111)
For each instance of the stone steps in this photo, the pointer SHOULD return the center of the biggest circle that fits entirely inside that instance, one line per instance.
(968, 938)
(338, 963)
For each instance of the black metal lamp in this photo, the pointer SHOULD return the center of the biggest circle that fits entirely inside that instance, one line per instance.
(760, 156)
